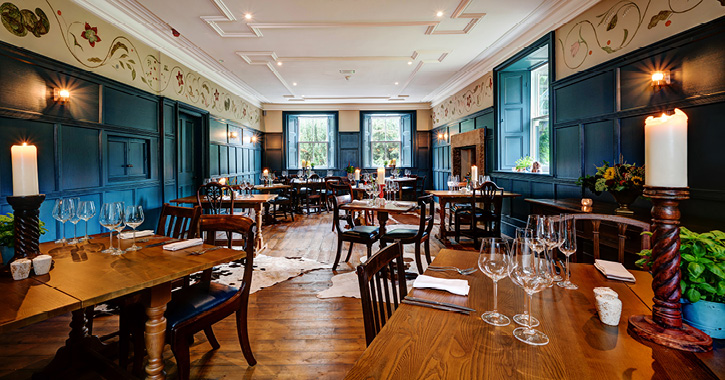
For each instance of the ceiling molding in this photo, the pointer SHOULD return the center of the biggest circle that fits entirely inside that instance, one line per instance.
(458, 13)
(345, 106)
(549, 16)
(136, 20)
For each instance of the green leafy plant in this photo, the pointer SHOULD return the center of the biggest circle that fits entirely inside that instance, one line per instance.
(523, 163)
(7, 230)
(349, 168)
(702, 266)
(617, 177)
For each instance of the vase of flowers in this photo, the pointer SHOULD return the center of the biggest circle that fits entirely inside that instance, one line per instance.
(624, 181)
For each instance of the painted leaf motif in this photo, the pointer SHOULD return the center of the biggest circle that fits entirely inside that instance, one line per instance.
(131, 61)
(608, 49)
(123, 56)
(662, 16)
(95, 60)
(122, 65)
(116, 46)
(133, 74)
(612, 23)
(75, 41)
(626, 34)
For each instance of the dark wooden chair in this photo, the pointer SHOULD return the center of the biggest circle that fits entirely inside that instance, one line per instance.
(382, 288)
(622, 223)
(199, 306)
(313, 197)
(344, 194)
(283, 202)
(416, 236)
(179, 222)
(214, 194)
(482, 214)
(407, 189)
(420, 185)
(367, 235)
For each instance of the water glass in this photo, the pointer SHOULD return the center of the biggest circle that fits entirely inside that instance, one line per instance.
(133, 217)
(493, 262)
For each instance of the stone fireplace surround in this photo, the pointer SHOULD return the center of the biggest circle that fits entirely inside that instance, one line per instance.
(472, 139)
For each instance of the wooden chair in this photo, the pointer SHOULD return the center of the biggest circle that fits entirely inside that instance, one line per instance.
(382, 288)
(179, 222)
(408, 188)
(314, 196)
(420, 186)
(283, 202)
(622, 223)
(418, 236)
(484, 208)
(214, 194)
(199, 306)
(344, 195)
(367, 235)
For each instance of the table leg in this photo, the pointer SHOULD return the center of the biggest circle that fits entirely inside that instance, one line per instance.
(69, 356)
(382, 219)
(259, 240)
(155, 333)
(442, 231)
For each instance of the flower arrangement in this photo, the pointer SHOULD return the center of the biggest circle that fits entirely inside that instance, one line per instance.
(349, 169)
(614, 178)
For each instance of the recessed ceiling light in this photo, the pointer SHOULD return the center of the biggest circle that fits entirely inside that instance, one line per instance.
(439, 14)
(396, 83)
(248, 16)
(410, 62)
(302, 96)
(279, 63)
(294, 83)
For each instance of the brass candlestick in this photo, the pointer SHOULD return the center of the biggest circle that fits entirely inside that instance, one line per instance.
(26, 211)
(665, 326)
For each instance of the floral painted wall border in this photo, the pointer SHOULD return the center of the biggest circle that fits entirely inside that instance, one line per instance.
(475, 97)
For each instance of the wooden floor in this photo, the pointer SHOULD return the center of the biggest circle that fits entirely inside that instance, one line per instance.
(293, 334)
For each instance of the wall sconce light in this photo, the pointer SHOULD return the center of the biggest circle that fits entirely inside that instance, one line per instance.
(233, 135)
(61, 95)
(254, 138)
(445, 136)
(660, 78)
(440, 136)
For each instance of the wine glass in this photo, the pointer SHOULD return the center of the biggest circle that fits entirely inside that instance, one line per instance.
(407, 173)
(493, 262)
(74, 218)
(530, 270)
(120, 226)
(86, 211)
(552, 240)
(62, 212)
(567, 232)
(524, 319)
(396, 189)
(133, 217)
(110, 217)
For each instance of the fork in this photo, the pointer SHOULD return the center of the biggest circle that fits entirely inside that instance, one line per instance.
(460, 271)
(203, 251)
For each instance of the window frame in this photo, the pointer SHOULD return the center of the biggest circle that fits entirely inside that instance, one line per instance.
(413, 136)
(399, 142)
(300, 142)
(332, 151)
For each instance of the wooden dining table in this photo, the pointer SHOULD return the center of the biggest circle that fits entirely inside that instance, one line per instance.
(257, 202)
(447, 196)
(419, 342)
(83, 276)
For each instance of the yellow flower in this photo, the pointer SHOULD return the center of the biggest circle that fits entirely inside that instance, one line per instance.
(637, 180)
(609, 173)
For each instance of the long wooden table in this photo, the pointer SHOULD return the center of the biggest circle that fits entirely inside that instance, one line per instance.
(419, 342)
(447, 196)
(83, 277)
(255, 202)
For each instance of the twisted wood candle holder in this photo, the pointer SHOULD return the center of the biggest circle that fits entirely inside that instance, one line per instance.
(665, 326)
(26, 210)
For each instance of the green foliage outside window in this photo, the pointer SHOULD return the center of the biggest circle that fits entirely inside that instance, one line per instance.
(386, 139)
(313, 140)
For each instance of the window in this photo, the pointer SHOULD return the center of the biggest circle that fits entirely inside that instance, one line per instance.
(523, 132)
(387, 136)
(311, 137)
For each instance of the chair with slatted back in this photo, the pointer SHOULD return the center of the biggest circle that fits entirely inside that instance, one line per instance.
(382, 288)
(343, 193)
(417, 236)
(179, 222)
(482, 213)
(217, 198)
(366, 235)
(623, 225)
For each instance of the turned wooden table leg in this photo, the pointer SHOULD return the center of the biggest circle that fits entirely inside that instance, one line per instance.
(259, 240)
(382, 219)
(67, 357)
(442, 231)
(155, 333)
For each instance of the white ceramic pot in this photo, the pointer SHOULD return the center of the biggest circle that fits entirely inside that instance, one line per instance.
(41, 264)
(20, 269)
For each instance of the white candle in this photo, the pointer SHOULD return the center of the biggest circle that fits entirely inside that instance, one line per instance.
(474, 173)
(357, 174)
(25, 170)
(265, 173)
(665, 150)
(303, 163)
(381, 175)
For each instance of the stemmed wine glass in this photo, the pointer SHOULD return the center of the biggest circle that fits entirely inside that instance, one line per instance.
(133, 216)
(120, 226)
(110, 217)
(493, 262)
(552, 240)
(540, 233)
(62, 212)
(86, 211)
(567, 232)
(524, 319)
(74, 218)
(530, 270)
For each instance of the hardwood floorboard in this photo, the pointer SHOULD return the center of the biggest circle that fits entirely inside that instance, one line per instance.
(293, 334)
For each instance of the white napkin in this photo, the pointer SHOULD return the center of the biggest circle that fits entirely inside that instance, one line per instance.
(183, 244)
(613, 270)
(358, 202)
(454, 286)
(129, 234)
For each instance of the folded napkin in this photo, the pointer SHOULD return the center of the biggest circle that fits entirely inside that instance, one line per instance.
(454, 286)
(129, 234)
(358, 202)
(183, 244)
(613, 270)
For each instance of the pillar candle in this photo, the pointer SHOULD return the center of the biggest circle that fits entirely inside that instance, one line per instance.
(474, 173)
(25, 170)
(357, 174)
(303, 163)
(381, 175)
(265, 173)
(665, 150)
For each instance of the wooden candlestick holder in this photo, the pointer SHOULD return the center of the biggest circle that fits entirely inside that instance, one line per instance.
(26, 211)
(665, 326)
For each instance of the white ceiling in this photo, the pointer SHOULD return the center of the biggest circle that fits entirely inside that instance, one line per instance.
(384, 41)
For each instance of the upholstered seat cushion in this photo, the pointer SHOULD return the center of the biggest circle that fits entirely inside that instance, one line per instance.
(480, 213)
(196, 299)
(365, 232)
(404, 188)
(400, 233)
(279, 199)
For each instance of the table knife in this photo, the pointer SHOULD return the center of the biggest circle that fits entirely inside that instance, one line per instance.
(203, 251)
(439, 303)
(163, 243)
(439, 307)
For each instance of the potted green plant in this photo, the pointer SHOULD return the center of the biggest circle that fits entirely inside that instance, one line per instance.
(7, 235)
(624, 181)
(523, 164)
(702, 281)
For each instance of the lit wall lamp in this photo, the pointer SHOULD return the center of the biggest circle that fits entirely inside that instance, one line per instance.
(61, 95)
(660, 79)
(233, 135)
(442, 136)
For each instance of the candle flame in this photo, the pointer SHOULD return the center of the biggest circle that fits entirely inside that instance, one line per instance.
(25, 144)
